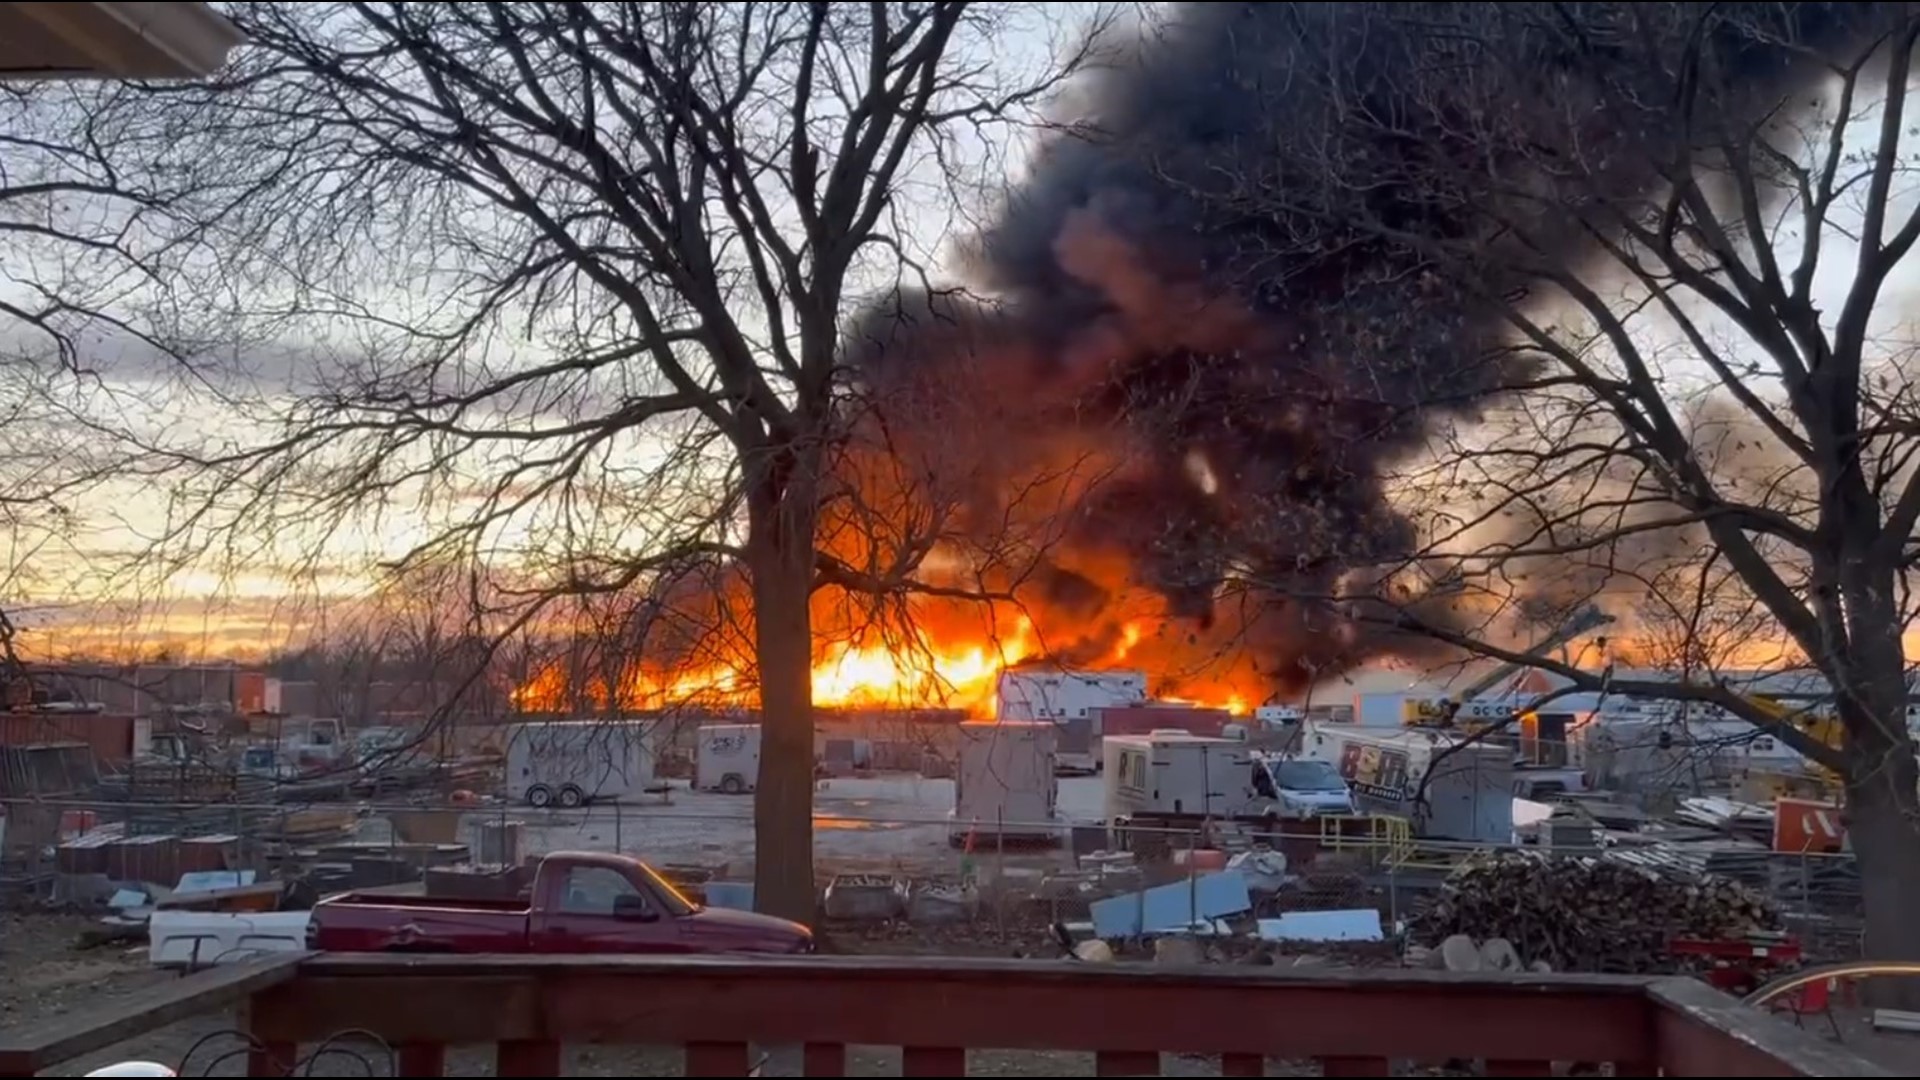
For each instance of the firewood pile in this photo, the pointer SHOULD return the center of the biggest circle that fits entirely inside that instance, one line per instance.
(1585, 914)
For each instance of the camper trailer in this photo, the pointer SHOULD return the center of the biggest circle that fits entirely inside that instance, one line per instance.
(1071, 700)
(1004, 788)
(568, 763)
(727, 758)
(1468, 796)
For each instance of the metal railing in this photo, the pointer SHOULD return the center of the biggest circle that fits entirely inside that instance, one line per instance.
(727, 1012)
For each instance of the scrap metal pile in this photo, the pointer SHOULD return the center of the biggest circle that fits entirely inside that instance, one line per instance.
(1588, 914)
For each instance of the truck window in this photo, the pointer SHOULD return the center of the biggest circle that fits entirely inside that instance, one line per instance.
(676, 902)
(595, 890)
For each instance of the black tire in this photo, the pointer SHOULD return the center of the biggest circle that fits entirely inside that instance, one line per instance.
(732, 784)
(539, 796)
(571, 796)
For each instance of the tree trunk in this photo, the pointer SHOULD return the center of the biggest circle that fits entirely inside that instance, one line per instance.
(780, 555)
(1883, 815)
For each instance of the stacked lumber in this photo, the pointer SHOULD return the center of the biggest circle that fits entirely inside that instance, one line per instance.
(1588, 914)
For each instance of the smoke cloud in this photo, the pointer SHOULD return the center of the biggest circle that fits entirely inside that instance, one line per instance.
(1193, 401)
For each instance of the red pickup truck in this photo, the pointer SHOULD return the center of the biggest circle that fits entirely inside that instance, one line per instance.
(580, 902)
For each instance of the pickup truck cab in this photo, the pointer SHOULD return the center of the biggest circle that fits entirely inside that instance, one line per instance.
(579, 902)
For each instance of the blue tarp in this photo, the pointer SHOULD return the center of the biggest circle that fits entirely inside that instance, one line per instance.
(1171, 907)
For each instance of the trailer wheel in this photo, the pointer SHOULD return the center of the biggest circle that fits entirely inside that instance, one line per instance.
(539, 796)
(571, 796)
(733, 784)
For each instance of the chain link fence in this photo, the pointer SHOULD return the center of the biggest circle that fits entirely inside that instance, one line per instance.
(1008, 879)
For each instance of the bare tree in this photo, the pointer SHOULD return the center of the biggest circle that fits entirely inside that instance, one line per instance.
(1678, 228)
(81, 238)
(563, 287)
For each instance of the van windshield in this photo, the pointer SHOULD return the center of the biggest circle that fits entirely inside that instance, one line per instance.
(1308, 776)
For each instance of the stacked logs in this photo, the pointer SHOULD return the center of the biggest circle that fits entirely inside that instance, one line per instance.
(1588, 914)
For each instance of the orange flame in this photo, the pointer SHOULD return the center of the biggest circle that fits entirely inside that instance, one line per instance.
(936, 671)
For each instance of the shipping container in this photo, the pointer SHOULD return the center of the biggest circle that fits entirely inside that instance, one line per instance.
(110, 736)
(1059, 696)
(250, 692)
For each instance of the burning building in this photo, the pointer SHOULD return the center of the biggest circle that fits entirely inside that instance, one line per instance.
(1161, 440)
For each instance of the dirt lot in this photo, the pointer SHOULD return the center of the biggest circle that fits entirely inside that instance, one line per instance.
(46, 977)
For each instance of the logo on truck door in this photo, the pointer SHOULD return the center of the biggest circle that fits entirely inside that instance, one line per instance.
(1374, 770)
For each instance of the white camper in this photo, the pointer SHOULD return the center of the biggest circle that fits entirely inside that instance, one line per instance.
(570, 762)
(1070, 699)
(1005, 787)
(1468, 797)
(1175, 774)
(727, 758)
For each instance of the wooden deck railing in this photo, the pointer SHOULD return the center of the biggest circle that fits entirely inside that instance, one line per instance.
(1353, 1023)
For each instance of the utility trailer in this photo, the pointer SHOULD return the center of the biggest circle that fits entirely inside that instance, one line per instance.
(573, 762)
(727, 758)
(1004, 789)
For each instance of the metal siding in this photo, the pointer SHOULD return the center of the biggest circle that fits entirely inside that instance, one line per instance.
(110, 736)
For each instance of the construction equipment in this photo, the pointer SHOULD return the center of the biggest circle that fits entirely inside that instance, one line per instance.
(1819, 723)
(1444, 712)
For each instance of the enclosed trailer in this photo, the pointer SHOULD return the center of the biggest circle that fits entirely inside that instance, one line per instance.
(727, 758)
(571, 762)
(1004, 787)
(1172, 774)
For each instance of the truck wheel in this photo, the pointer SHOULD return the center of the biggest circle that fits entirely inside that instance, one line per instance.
(539, 796)
(571, 796)
(732, 784)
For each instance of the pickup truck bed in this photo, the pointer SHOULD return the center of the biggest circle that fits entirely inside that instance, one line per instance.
(579, 903)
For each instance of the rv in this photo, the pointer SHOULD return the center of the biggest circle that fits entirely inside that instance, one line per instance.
(572, 762)
(1071, 700)
(1468, 796)
(727, 758)
(1004, 787)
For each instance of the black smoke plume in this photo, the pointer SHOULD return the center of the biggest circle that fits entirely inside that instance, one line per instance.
(1247, 378)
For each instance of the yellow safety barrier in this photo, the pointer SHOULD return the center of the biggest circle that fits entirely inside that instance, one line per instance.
(1384, 835)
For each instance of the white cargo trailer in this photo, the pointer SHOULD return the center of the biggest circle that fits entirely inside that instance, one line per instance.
(1175, 774)
(727, 758)
(570, 762)
(1004, 787)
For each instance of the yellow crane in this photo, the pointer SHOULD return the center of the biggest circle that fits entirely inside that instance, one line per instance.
(1818, 724)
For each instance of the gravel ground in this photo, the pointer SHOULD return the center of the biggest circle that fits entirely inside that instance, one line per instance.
(47, 977)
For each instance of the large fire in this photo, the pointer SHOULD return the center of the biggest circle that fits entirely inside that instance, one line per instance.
(927, 671)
